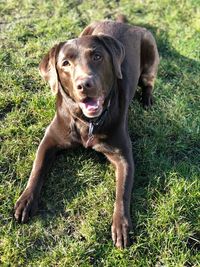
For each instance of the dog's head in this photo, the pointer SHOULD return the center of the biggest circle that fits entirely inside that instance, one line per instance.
(86, 68)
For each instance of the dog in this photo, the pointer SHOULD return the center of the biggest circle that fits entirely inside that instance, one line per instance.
(94, 78)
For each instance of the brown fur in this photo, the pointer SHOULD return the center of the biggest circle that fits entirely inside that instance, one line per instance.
(107, 62)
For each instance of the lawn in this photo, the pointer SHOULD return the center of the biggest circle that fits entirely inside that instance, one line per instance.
(72, 227)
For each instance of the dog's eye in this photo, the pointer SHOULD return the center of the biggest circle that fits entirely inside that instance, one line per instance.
(97, 57)
(65, 63)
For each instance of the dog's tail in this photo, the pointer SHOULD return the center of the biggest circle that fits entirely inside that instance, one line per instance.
(121, 18)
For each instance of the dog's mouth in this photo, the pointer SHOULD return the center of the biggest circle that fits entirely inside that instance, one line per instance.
(92, 107)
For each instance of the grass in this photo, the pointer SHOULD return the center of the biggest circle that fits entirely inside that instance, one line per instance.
(72, 227)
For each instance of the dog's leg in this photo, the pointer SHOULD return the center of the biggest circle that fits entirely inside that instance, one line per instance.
(27, 204)
(147, 84)
(149, 67)
(122, 160)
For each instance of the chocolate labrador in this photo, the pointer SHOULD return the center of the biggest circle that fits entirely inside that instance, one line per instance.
(94, 78)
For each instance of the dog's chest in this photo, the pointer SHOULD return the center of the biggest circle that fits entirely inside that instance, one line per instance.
(88, 138)
(88, 141)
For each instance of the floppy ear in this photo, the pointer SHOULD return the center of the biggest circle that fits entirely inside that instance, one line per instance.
(116, 51)
(48, 71)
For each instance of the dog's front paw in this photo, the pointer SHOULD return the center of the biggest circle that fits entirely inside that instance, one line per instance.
(25, 206)
(120, 230)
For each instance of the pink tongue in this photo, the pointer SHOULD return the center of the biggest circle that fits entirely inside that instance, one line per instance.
(91, 104)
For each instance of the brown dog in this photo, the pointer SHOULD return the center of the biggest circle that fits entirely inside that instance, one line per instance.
(94, 78)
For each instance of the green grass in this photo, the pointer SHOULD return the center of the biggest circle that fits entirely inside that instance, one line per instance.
(72, 227)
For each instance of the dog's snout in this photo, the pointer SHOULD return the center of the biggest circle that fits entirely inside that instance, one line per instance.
(84, 83)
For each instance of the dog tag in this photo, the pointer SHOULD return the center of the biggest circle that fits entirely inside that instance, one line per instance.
(90, 135)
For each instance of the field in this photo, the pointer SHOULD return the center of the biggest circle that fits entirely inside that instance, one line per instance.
(72, 227)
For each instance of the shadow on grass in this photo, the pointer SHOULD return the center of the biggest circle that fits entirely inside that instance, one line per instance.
(64, 182)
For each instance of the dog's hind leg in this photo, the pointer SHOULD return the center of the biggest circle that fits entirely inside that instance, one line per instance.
(147, 83)
(149, 66)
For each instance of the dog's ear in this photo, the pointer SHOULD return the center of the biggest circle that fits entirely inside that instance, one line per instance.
(116, 50)
(48, 71)
(89, 29)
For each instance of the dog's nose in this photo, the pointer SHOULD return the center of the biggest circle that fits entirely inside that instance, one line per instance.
(84, 83)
